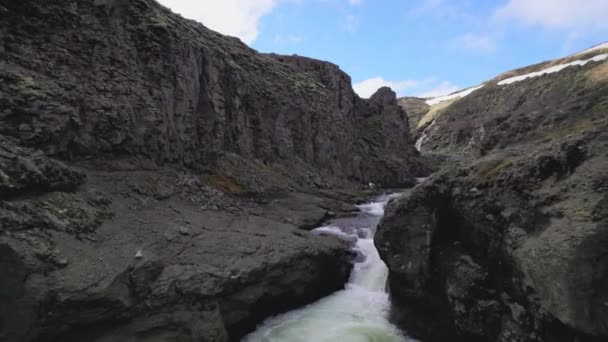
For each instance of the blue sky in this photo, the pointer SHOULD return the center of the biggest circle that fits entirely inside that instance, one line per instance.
(418, 47)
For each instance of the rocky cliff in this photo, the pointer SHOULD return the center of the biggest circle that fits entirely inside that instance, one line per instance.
(510, 242)
(148, 168)
(128, 77)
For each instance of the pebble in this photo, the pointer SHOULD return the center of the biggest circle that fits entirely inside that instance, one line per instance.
(139, 254)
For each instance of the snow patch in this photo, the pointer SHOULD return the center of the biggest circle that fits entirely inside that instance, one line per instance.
(597, 47)
(457, 95)
(552, 69)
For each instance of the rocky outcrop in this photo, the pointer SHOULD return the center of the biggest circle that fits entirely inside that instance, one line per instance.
(132, 257)
(511, 247)
(25, 171)
(128, 77)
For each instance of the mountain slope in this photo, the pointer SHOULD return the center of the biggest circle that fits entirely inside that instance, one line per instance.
(527, 105)
(509, 242)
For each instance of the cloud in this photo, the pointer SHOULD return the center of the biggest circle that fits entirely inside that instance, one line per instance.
(476, 43)
(557, 14)
(239, 18)
(368, 87)
(443, 88)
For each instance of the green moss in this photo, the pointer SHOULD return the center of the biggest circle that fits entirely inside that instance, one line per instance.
(435, 112)
(486, 171)
(578, 127)
(223, 183)
(159, 20)
(26, 86)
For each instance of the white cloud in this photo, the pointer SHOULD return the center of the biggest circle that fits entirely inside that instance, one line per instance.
(443, 88)
(239, 18)
(476, 43)
(368, 87)
(558, 14)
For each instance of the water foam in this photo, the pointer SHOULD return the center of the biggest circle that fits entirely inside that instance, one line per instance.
(359, 313)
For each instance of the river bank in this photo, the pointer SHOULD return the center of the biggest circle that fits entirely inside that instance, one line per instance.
(155, 255)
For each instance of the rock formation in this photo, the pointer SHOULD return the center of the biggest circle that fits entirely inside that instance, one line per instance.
(510, 242)
(148, 168)
(128, 77)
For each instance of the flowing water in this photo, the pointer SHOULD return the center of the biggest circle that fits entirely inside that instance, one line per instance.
(359, 313)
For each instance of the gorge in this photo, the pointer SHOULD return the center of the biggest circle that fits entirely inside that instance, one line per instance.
(160, 181)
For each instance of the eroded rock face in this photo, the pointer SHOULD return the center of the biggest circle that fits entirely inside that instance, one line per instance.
(128, 77)
(24, 171)
(131, 257)
(510, 248)
(103, 238)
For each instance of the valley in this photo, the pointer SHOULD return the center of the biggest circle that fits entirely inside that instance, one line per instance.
(160, 181)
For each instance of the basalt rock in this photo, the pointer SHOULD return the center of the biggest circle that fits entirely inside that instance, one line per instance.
(512, 247)
(126, 259)
(128, 77)
(24, 171)
(148, 168)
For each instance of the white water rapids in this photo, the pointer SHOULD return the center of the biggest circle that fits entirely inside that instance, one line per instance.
(359, 313)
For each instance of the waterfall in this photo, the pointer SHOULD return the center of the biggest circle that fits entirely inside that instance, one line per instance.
(423, 137)
(359, 313)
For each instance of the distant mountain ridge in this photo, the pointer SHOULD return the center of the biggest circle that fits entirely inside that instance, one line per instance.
(556, 92)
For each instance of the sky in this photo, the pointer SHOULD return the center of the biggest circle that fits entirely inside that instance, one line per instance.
(417, 47)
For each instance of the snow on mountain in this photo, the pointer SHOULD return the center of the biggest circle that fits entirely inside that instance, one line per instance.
(597, 47)
(553, 69)
(457, 95)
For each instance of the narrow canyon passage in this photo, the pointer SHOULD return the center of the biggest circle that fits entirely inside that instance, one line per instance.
(359, 313)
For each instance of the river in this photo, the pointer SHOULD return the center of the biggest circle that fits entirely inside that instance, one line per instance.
(360, 312)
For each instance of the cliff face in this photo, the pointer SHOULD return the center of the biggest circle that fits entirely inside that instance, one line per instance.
(142, 159)
(128, 77)
(510, 241)
(511, 248)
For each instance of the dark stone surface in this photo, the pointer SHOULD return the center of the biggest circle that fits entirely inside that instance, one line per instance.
(131, 78)
(156, 176)
(131, 256)
(511, 247)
